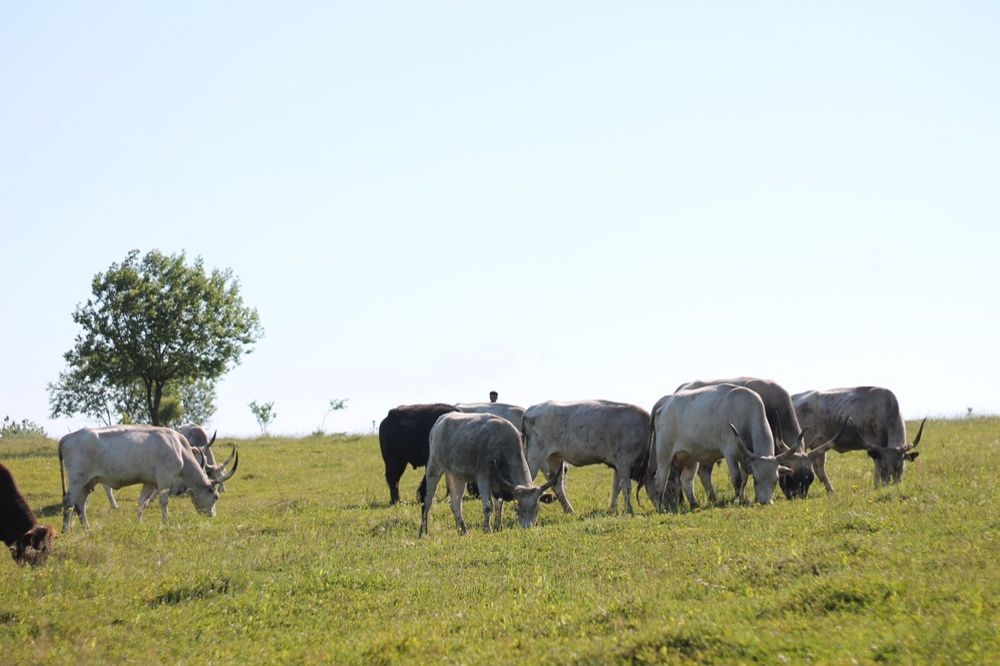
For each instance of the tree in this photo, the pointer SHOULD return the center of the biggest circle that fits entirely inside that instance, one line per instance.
(198, 400)
(157, 322)
(264, 413)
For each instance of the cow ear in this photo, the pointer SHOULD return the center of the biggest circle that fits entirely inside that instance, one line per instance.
(547, 498)
(782, 470)
(911, 456)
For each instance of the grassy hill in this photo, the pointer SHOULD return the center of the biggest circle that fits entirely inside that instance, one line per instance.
(306, 562)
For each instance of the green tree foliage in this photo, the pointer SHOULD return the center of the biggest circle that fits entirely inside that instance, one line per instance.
(158, 322)
(198, 400)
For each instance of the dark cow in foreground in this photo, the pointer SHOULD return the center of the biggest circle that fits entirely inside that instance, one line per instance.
(159, 458)
(785, 430)
(403, 438)
(486, 449)
(29, 542)
(879, 428)
(588, 432)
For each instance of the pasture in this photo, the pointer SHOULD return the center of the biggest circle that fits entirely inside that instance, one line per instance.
(306, 562)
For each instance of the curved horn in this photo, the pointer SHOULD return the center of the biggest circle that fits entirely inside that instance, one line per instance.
(788, 453)
(199, 456)
(551, 482)
(827, 445)
(779, 442)
(231, 455)
(212, 441)
(919, 433)
(741, 445)
(800, 441)
(230, 473)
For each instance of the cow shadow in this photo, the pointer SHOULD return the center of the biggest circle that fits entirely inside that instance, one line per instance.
(49, 511)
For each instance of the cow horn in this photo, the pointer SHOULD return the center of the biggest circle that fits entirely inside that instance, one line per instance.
(231, 456)
(551, 482)
(212, 441)
(199, 456)
(826, 446)
(787, 454)
(920, 432)
(800, 442)
(779, 442)
(230, 473)
(741, 445)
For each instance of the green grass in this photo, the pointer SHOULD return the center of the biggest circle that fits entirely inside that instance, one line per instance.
(305, 562)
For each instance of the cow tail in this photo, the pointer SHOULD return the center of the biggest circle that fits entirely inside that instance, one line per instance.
(62, 477)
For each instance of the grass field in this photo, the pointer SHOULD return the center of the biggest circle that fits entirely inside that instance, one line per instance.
(306, 562)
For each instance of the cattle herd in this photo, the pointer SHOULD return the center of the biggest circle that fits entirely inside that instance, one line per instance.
(754, 425)
(496, 450)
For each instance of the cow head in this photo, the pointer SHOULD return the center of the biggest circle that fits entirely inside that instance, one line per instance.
(205, 496)
(526, 499)
(33, 547)
(765, 469)
(889, 460)
(796, 481)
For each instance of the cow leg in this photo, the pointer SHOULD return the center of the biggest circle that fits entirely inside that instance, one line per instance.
(736, 476)
(615, 489)
(687, 483)
(560, 487)
(497, 515)
(145, 497)
(393, 473)
(626, 489)
(111, 496)
(483, 481)
(431, 480)
(819, 467)
(705, 474)
(69, 504)
(164, 498)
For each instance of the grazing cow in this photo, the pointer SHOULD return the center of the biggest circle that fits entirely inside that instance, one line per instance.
(879, 427)
(198, 440)
(706, 424)
(486, 449)
(403, 438)
(28, 541)
(782, 419)
(158, 458)
(512, 413)
(588, 432)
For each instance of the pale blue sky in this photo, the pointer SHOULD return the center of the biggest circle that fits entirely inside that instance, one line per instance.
(425, 201)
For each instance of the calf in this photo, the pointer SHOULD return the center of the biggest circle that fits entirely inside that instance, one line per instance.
(28, 541)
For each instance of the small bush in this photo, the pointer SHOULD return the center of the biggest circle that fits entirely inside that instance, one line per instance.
(26, 428)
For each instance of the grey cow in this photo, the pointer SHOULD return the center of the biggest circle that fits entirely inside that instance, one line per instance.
(785, 430)
(512, 413)
(707, 424)
(485, 449)
(588, 432)
(879, 428)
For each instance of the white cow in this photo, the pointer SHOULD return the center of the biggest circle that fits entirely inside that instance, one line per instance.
(198, 440)
(701, 426)
(158, 458)
(512, 413)
(879, 428)
(485, 449)
(588, 432)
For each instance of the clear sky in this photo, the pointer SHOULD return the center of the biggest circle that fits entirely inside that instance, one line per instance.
(559, 200)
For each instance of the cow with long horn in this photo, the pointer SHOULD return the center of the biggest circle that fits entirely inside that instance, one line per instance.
(701, 426)
(877, 429)
(487, 450)
(158, 458)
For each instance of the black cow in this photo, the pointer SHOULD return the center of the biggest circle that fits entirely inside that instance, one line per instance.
(403, 438)
(28, 541)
